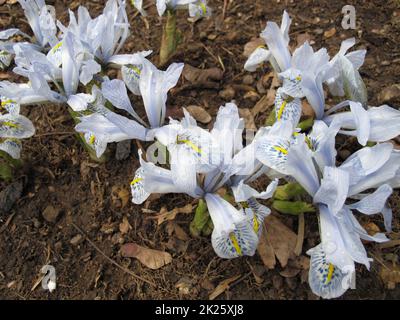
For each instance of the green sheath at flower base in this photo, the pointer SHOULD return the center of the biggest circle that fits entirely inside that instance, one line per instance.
(8, 165)
(81, 139)
(306, 124)
(289, 191)
(208, 228)
(271, 119)
(170, 38)
(201, 219)
(5, 171)
(292, 207)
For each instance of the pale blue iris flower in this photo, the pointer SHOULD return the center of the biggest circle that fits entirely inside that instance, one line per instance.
(220, 162)
(197, 8)
(310, 160)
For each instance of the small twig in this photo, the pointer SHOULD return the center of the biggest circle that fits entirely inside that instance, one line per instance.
(213, 56)
(379, 260)
(5, 225)
(54, 134)
(300, 235)
(389, 244)
(111, 260)
(226, 3)
(240, 280)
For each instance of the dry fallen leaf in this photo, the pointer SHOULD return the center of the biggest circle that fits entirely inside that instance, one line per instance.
(389, 94)
(251, 95)
(390, 275)
(153, 259)
(266, 252)
(4, 75)
(330, 33)
(124, 226)
(371, 228)
(302, 38)
(222, 286)
(165, 215)
(264, 103)
(289, 272)
(199, 114)
(252, 45)
(282, 239)
(119, 193)
(184, 285)
(248, 117)
(308, 111)
(200, 77)
(174, 228)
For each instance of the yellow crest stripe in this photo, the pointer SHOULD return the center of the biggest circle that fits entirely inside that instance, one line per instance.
(191, 145)
(5, 102)
(10, 124)
(330, 273)
(280, 149)
(281, 108)
(134, 181)
(203, 8)
(235, 243)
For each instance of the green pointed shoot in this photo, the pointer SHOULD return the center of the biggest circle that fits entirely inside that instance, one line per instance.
(5, 171)
(201, 218)
(8, 165)
(292, 207)
(306, 124)
(208, 228)
(289, 191)
(271, 118)
(170, 38)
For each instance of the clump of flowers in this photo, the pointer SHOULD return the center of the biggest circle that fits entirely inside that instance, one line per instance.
(68, 65)
(69, 68)
(13, 128)
(310, 158)
(217, 169)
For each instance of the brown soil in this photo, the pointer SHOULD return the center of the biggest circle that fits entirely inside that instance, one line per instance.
(58, 171)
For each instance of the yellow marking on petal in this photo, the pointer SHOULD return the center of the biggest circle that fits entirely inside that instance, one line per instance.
(203, 8)
(5, 102)
(136, 69)
(10, 124)
(256, 225)
(280, 149)
(92, 139)
(191, 145)
(235, 243)
(134, 181)
(282, 107)
(298, 78)
(57, 46)
(330, 273)
(308, 141)
(261, 47)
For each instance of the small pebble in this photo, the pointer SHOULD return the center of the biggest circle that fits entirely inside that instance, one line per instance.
(227, 94)
(248, 79)
(50, 214)
(76, 240)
